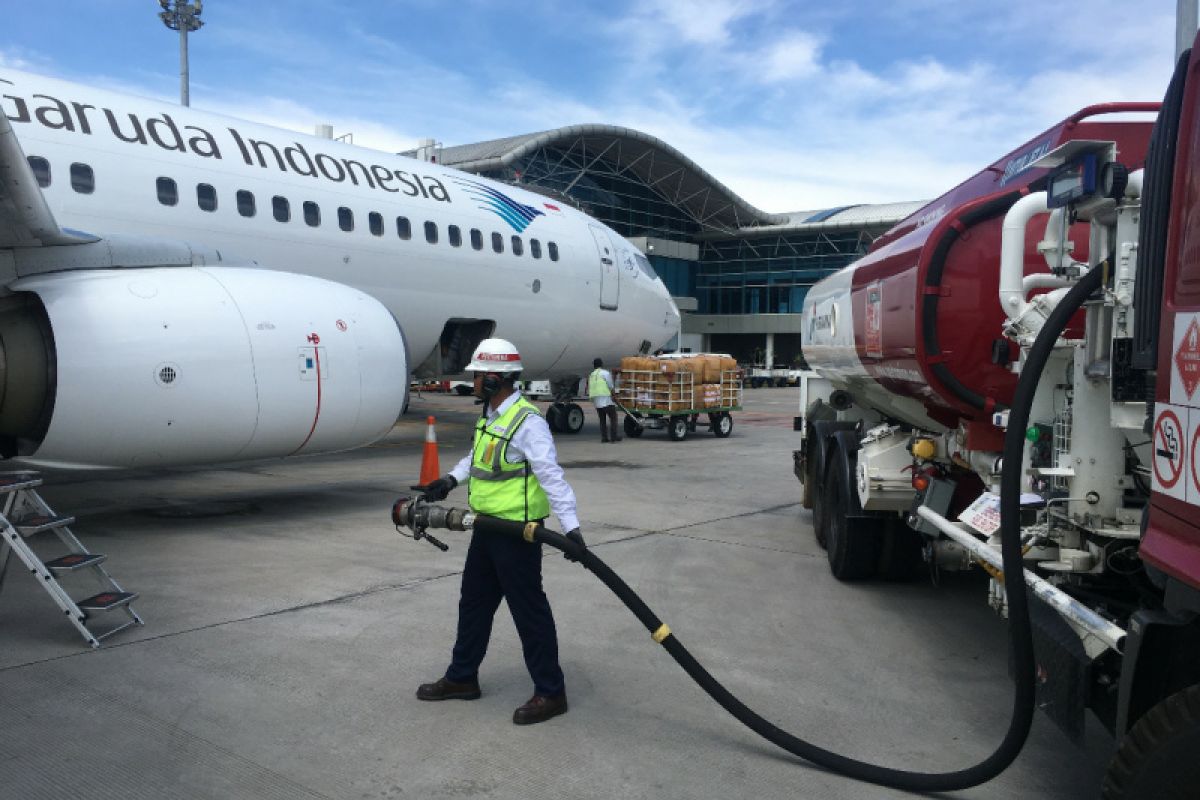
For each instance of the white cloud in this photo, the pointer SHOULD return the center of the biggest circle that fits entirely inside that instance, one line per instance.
(795, 56)
(701, 22)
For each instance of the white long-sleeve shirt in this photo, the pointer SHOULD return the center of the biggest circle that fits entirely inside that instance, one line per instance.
(533, 443)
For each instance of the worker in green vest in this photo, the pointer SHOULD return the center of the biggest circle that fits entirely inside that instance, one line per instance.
(512, 473)
(600, 390)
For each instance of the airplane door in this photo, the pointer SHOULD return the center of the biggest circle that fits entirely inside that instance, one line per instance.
(610, 286)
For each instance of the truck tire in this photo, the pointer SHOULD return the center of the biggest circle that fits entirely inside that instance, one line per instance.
(819, 444)
(632, 429)
(852, 540)
(820, 513)
(1157, 758)
(677, 428)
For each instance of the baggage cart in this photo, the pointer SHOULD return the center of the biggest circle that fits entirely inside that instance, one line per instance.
(672, 395)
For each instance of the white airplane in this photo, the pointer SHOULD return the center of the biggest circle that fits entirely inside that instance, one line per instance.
(183, 287)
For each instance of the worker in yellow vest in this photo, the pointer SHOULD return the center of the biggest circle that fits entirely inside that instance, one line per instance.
(600, 389)
(512, 473)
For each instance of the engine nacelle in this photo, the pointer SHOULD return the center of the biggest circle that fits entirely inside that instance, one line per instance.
(143, 367)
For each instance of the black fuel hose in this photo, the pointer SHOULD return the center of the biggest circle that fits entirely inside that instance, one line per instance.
(1020, 634)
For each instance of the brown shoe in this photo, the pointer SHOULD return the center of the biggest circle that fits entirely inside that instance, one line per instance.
(442, 689)
(539, 709)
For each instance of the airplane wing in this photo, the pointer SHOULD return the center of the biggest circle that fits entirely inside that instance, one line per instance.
(25, 217)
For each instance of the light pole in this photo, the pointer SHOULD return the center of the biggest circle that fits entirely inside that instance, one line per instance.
(184, 17)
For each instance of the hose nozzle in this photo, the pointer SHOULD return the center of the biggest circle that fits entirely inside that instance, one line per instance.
(416, 514)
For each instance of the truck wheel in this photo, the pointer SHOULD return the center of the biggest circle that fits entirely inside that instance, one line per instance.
(677, 428)
(632, 429)
(721, 424)
(572, 420)
(1157, 758)
(820, 512)
(852, 542)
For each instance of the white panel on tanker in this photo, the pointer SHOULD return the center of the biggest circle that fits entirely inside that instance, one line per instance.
(828, 326)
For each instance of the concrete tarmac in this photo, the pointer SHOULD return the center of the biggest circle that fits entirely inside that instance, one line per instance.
(288, 626)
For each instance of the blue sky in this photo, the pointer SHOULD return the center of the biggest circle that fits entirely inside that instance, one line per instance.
(794, 105)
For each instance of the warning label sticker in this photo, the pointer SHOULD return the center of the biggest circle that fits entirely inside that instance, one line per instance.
(1169, 451)
(873, 321)
(1185, 368)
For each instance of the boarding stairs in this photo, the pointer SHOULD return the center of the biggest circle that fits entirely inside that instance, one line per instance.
(24, 515)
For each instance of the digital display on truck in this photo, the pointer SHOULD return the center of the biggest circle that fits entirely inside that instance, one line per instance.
(1071, 181)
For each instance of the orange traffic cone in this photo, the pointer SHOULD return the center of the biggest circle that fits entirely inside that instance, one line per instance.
(430, 469)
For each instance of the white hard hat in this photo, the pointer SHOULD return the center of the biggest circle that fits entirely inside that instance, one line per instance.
(495, 355)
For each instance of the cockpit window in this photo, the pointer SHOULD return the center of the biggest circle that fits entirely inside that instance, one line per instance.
(644, 263)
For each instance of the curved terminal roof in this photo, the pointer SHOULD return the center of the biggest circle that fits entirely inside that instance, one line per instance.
(673, 174)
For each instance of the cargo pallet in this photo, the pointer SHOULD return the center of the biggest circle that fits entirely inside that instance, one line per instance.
(674, 401)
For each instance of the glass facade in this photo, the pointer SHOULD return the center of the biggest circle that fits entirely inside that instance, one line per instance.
(769, 274)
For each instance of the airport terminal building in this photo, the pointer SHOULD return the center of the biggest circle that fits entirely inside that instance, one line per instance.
(738, 274)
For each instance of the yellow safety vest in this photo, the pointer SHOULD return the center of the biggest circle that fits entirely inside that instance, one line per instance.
(597, 386)
(496, 487)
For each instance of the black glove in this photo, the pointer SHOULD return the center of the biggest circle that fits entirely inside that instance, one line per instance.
(437, 490)
(576, 537)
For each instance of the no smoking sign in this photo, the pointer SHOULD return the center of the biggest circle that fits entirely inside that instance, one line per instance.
(1170, 452)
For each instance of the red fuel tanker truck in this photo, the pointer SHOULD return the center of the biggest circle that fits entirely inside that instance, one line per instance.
(923, 341)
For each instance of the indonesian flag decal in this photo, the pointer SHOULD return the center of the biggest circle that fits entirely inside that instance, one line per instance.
(552, 207)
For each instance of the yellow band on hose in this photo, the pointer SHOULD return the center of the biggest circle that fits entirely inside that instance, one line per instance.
(530, 527)
(662, 633)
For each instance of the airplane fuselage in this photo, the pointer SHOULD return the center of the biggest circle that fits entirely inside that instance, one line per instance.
(183, 287)
(234, 181)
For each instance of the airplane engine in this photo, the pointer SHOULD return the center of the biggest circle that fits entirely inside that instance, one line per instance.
(145, 367)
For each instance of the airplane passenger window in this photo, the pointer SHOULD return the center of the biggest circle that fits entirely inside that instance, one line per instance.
(552, 249)
(535, 248)
(431, 232)
(403, 228)
(476, 239)
(41, 170)
(281, 208)
(82, 179)
(497, 243)
(168, 192)
(245, 203)
(518, 246)
(345, 219)
(206, 197)
(312, 214)
(454, 235)
(375, 223)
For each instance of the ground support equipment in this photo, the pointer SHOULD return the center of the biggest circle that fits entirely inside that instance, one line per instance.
(23, 515)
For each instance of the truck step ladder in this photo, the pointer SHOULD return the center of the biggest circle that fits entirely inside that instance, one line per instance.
(24, 514)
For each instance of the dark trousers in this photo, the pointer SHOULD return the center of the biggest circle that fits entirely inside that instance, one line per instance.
(609, 414)
(509, 568)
